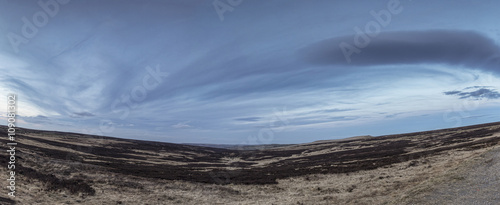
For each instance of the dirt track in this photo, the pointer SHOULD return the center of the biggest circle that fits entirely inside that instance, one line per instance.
(479, 184)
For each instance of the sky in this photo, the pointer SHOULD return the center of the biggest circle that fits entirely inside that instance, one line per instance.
(249, 72)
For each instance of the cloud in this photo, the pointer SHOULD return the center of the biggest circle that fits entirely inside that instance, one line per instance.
(334, 110)
(181, 125)
(343, 118)
(39, 119)
(248, 119)
(81, 114)
(480, 92)
(452, 47)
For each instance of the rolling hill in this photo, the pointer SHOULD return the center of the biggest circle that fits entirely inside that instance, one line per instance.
(67, 168)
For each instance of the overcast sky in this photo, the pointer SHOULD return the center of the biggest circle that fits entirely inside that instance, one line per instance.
(281, 71)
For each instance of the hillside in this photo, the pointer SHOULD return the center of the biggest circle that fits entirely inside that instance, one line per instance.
(75, 168)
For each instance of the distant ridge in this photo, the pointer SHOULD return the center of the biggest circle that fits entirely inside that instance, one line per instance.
(238, 146)
(343, 139)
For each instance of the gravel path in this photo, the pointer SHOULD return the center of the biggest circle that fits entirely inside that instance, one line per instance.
(481, 185)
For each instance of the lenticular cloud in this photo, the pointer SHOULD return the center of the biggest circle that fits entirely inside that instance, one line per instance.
(453, 47)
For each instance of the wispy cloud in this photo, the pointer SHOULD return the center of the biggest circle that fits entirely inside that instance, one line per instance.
(182, 125)
(39, 119)
(476, 92)
(81, 114)
(248, 119)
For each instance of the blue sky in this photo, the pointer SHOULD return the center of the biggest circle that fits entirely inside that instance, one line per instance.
(283, 71)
